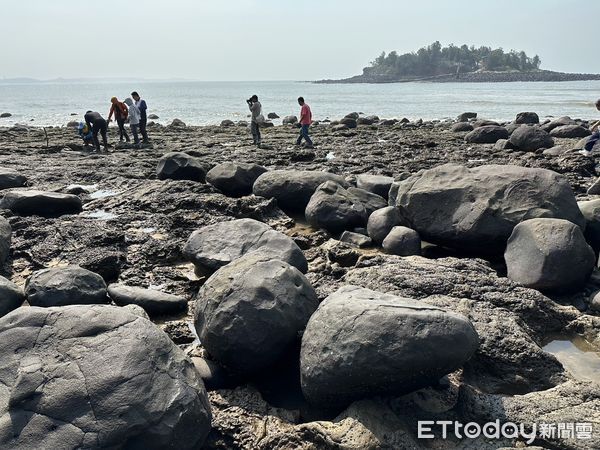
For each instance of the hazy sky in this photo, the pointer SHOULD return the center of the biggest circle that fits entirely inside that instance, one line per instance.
(277, 39)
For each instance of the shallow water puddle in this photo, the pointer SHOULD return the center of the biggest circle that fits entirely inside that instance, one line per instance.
(100, 215)
(576, 355)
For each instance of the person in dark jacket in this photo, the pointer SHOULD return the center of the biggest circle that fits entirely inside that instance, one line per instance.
(143, 107)
(120, 111)
(97, 123)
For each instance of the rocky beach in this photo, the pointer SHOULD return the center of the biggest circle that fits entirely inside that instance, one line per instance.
(206, 293)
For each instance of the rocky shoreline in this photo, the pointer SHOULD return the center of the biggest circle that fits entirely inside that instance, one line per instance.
(308, 298)
(477, 77)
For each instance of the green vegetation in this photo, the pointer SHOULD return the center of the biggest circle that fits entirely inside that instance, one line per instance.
(435, 60)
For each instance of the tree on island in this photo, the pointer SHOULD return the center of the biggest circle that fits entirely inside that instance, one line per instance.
(435, 60)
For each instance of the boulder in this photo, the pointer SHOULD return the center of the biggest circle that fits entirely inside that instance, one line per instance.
(476, 209)
(527, 117)
(389, 122)
(272, 115)
(215, 246)
(61, 286)
(365, 121)
(5, 239)
(352, 115)
(180, 166)
(377, 184)
(485, 123)
(530, 138)
(355, 239)
(362, 343)
(227, 123)
(488, 134)
(96, 377)
(30, 202)
(4, 115)
(153, 117)
(250, 312)
(234, 179)
(11, 296)
(566, 120)
(503, 144)
(292, 188)
(335, 209)
(591, 212)
(557, 150)
(153, 302)
(371, 202)
(373, 118)
(549, 255)
(464, 117)
(594, 301)
(177, 123)
(290, 120)
(461, 126)
(349, 122)
(402, 241)
(570, 131)
(381, 222)
(511, 127)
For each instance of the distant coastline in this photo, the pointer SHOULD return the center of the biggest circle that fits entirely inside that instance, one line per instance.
(473, 77)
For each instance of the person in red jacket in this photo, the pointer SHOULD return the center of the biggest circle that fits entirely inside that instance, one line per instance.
(305, 121)
(120, 111)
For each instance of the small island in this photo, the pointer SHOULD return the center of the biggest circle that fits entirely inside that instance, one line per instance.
(459, 63)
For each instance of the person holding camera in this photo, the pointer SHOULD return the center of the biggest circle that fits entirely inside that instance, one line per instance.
(257, 118)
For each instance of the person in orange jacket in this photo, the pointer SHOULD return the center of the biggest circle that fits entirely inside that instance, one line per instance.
(120, 111)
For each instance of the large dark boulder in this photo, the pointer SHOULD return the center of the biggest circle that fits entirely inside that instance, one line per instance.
(549, 255)
(464, 117)
(527, 117)
(487, 134)
(62, 286)
(11, 296)
(570, 131)
(96, 377)
(591, 212)
(292, 188)
(154, 302)
(530, 138)
(371, 202)
(476, 209)
(249, 312)
(377, 184)
(215, 246)
(566, 120)
(10, 178)
(461, 127)
(402, 241)
(335, 209)
(361, 343)
(181, 166)
(349, 122)
(234, 179)
(30, 202)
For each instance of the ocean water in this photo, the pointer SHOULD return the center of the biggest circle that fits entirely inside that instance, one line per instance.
(201, 103)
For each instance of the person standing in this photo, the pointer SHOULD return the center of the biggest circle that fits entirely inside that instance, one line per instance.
(257, 117)
(305, 121)
(120, 111)
(98, 125)
(143, 107)
(134, 120)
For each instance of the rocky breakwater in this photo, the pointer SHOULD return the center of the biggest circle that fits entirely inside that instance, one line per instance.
(325, 298)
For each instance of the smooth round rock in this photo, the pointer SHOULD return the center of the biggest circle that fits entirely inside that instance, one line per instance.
(11, 296)
(61, 286)
(549, 255)
(461, 127)
(486, 134)
(10, 178)
(361, 343)
(234, 179)
(335, 209)
(570, 131)
(154, 302)
(377, 184)
(402, 241)
(249, 312)
(180, 166)
(530, 138)
(372, 202)
(96, 377)
(214, 246)
(381, 222)
(527, 117)
(30, 202)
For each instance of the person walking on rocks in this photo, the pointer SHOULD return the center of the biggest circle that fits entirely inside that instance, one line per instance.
(595, 129)
(97, 123)
(305, 121)
(257, 118)
(143, 107)
(120, 111)
(134, 120)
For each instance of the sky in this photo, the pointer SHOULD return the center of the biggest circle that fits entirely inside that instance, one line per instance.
(277, 39)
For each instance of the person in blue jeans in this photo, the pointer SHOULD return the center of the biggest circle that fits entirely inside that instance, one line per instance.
(595, 137)
(305, 121)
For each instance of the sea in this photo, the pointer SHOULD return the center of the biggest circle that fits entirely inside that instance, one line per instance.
(54, 103)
